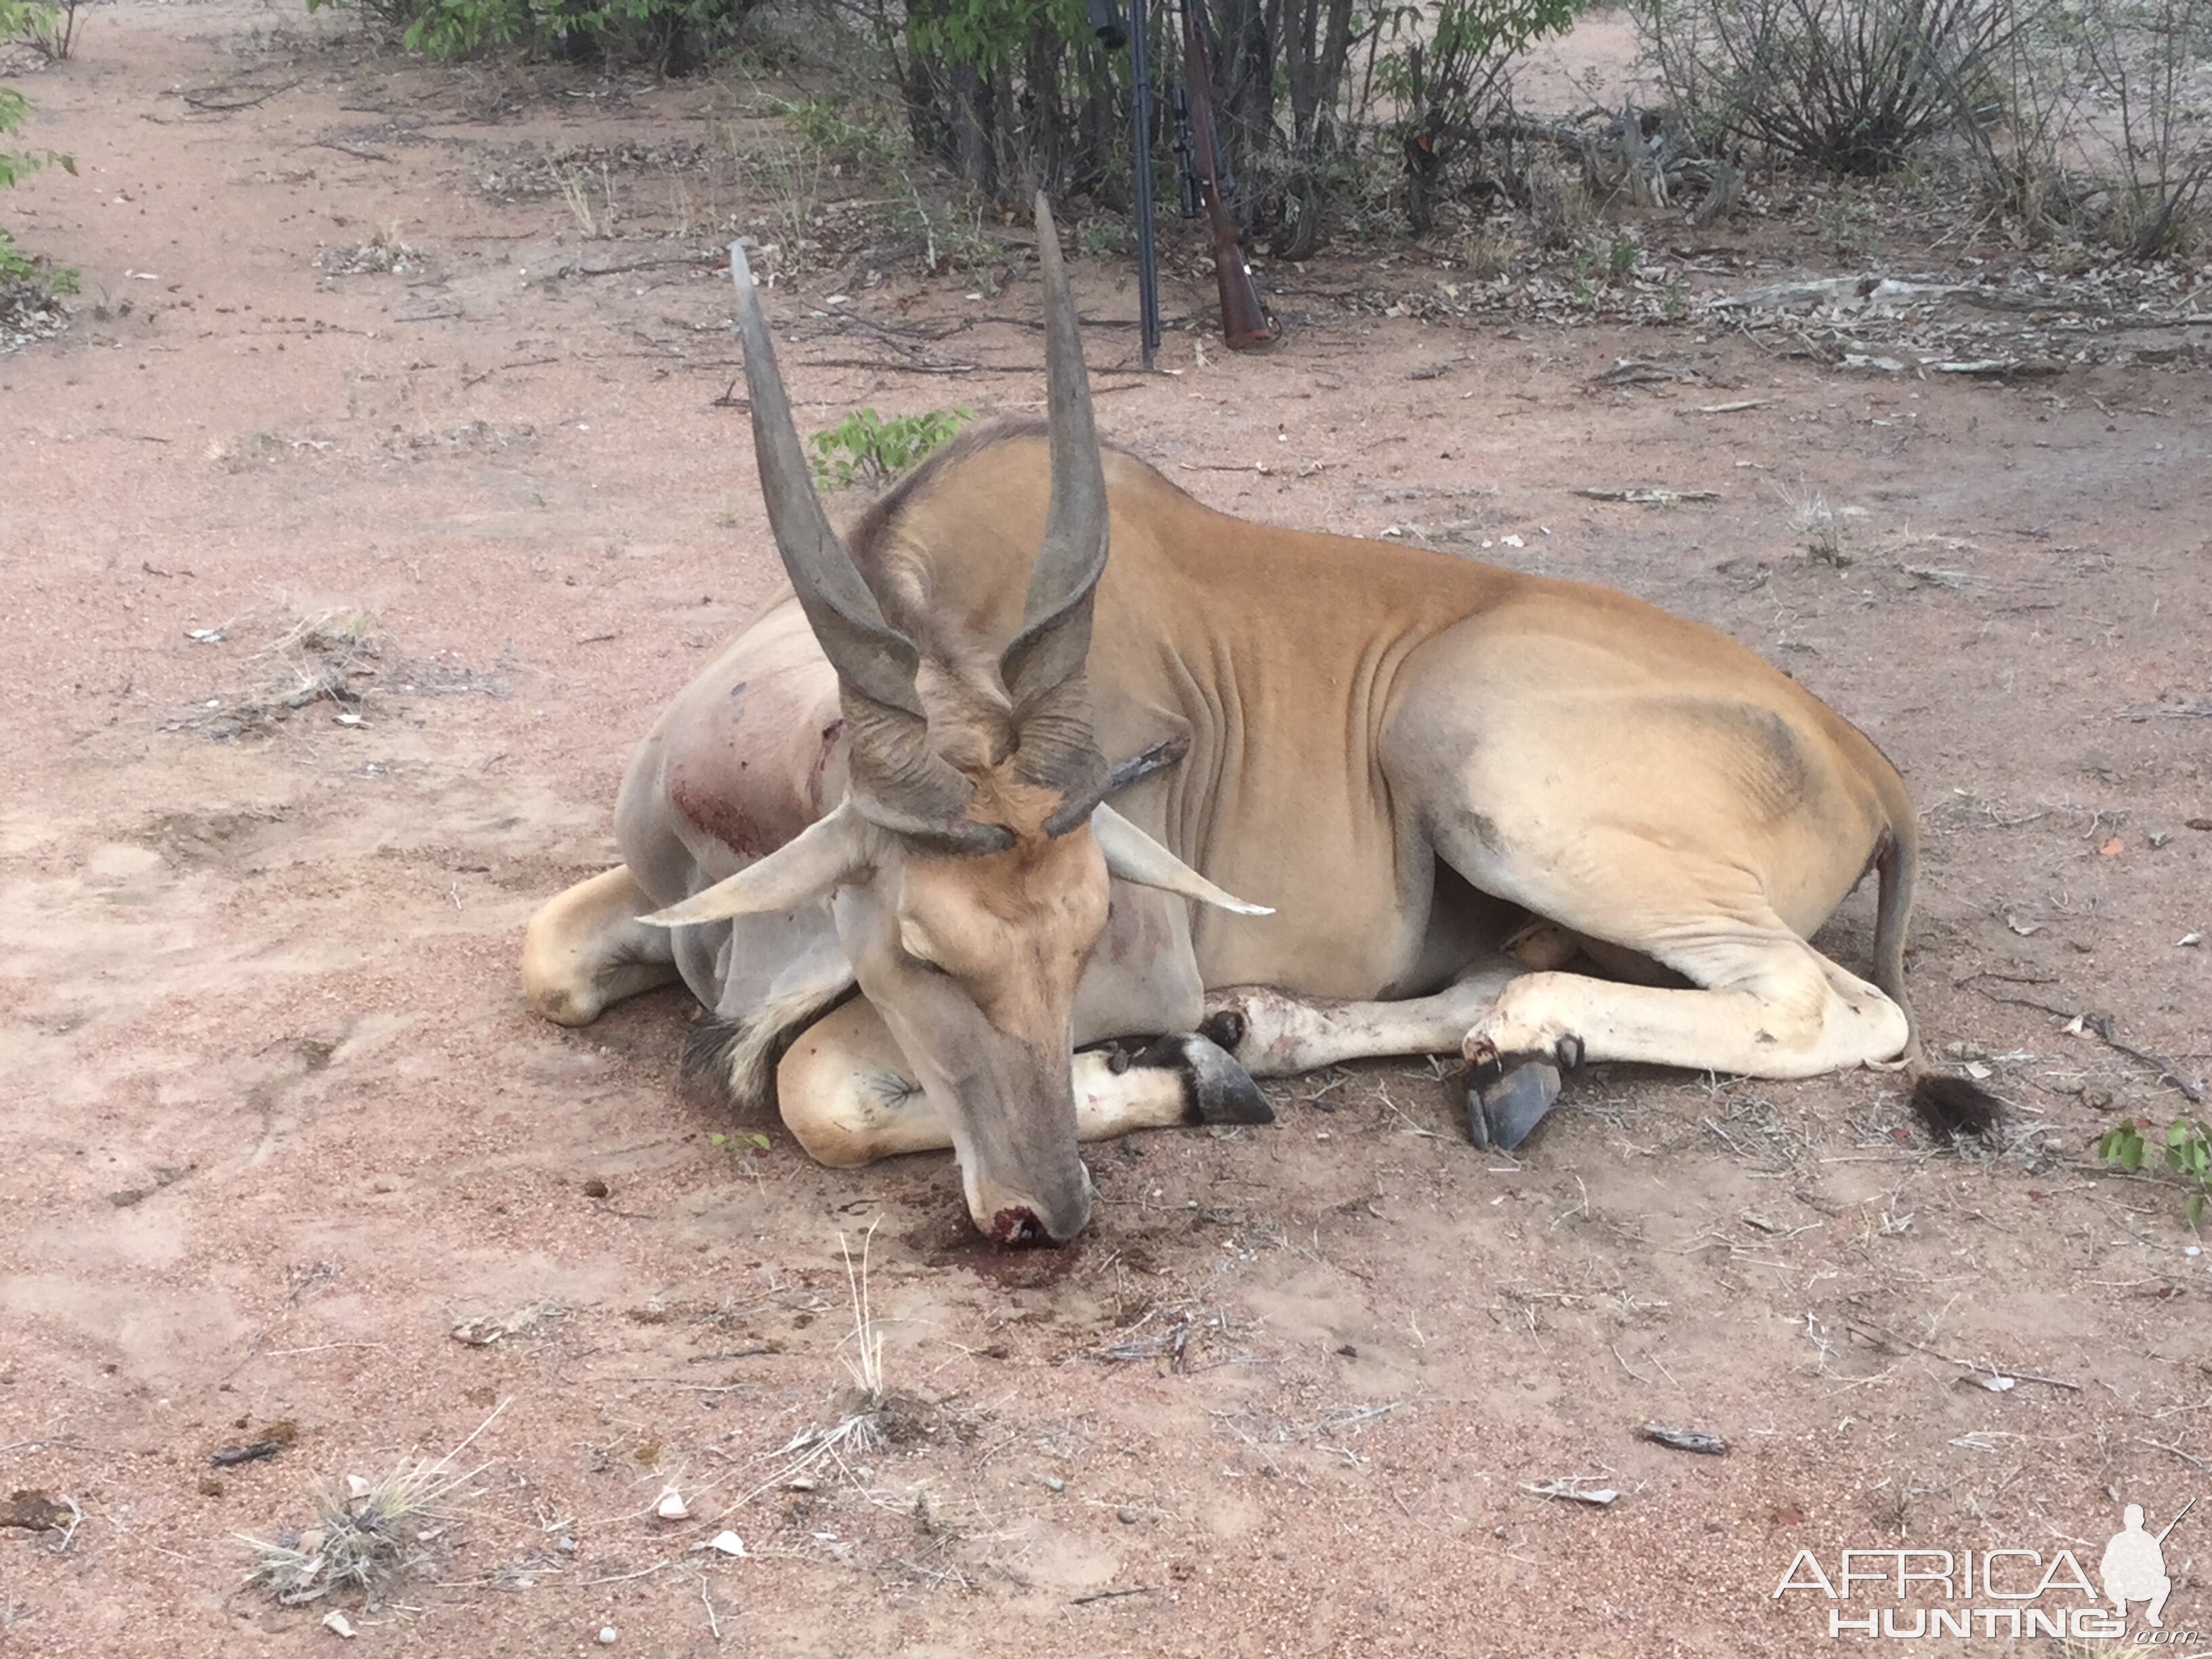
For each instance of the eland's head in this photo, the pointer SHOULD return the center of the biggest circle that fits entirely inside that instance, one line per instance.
(967, 867)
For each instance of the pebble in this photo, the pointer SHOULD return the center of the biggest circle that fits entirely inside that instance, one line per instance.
(1054, 1483)
(609, 1636)
(1126, 1515)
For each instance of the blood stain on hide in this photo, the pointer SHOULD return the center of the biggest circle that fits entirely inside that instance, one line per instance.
(717, 818)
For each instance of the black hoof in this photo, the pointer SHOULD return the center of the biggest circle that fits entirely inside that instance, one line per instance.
(1507, 1097)
(1216, 1089)
(1224, 1030)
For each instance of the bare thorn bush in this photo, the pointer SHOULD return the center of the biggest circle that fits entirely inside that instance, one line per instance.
(1853, 86)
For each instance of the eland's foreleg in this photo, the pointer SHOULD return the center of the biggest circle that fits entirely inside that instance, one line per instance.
(1275, 1034)
(585, 949)
(849, 1097)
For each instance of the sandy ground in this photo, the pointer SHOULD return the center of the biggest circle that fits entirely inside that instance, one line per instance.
(275, 1121)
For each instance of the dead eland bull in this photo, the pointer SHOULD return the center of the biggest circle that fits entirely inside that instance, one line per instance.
(1447, 783)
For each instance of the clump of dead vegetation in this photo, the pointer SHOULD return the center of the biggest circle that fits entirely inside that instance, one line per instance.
(327, 656)
(367, 1537)
(336, 658)
(383, 253)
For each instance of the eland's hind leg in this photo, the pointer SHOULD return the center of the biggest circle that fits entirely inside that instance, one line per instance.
(1764, 1004)
(1761, 1002)
(586, 949)
(849, 1097)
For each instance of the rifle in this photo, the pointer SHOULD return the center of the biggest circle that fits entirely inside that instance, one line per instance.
(1206, 185)
(1105, 18)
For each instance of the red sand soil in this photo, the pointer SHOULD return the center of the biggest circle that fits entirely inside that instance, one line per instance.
(275, 1121)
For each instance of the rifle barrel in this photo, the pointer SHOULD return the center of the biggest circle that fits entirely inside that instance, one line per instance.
(1140, 110)
(2176, 1522)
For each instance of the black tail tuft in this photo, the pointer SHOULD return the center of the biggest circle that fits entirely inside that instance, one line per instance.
(1952, 1107)
(704, 1074)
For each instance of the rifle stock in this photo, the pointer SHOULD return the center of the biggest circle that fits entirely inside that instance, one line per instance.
(1244, 319)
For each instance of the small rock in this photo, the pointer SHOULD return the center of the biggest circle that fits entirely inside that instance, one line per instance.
(33, 1511)
(335, 1621)
(566, 1547)
(1054, 1483)
(595, 1187)
(727, 1543)
(358, 1486)
(671, 1506)
(609, 1636)
(1126, 1515)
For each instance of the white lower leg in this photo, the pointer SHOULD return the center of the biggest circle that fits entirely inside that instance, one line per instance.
(846, 1097)
(1285, 1035)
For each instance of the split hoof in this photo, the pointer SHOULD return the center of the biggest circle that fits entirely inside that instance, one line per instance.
(1216, 1089)
(1224, 1028)
(1507, 1097)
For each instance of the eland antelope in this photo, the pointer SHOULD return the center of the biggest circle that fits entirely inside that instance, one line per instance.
(1372, 800)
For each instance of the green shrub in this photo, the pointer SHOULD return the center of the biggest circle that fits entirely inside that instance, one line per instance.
(37, 24)
(675, 36)
(1445, 72)
(866, 446)
(2188, 1154)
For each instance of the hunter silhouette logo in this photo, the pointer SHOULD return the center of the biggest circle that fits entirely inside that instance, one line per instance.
(2133, 1567)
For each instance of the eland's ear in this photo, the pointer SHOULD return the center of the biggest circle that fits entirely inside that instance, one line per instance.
(824, 856)
(1132, 855)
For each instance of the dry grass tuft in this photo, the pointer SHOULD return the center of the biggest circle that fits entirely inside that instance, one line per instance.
(368, 1538)
(865, 1361)
(321, 656)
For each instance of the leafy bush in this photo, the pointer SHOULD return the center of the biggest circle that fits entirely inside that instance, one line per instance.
(866, 446)
(38, 24)
(1014, 93)
(2188, 1154)
(1445, 72)
(675, 36)
(1851, 86)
